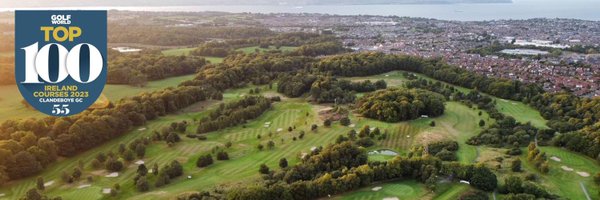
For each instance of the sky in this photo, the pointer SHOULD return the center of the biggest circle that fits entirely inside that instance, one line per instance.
(78, 3)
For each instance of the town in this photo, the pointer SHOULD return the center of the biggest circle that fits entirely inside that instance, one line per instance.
(559, 66)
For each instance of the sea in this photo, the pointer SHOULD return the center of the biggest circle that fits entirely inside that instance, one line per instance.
(519, 9)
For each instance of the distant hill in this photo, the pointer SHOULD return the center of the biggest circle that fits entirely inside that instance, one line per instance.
(77, 3)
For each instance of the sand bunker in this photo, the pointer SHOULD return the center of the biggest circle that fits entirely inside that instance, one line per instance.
(313, 148)
(2, 194)
(83, 186)
(352, 125)
(112, 175)
(139, 162)
(555, 158)
(49, 183)
(142, 129)
(376, 189)
(391, 198)
(566, 168)
(583, 174)
(106, 191)
(279, 129)
(303, 155)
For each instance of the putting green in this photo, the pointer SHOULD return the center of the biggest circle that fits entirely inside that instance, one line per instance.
(408, 189)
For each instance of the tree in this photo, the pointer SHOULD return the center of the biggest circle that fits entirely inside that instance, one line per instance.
(264, 169)
(352, 134)
(65, 177)
(597, 178)
(76, 173)
(364, 132)
(222, 156)
(432, 123)
(128, 155)
(33, 194)
(142, 170)
(283, 163)
(327, 122)
(162, 179)
(121, 148)
(40, 183)
(142, 184)
(228, 144)
(271, 144)
(155, 169)
(113, 165)
(345, 121)
(400, 104)
(204, 161)
(544, 167)
(174, 169)
(140, 150)
(260, 147)
(484, 179)
(481, 123)
(173, 138)
(516, 165)
(514, 184)
(96, 164)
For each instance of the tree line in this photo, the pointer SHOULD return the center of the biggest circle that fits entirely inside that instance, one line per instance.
(234, 113)
(327, 89)
(343, 167)
(578, 118)
(399, 104)
(365, 64)
(240, 69)
(28, 146)
(138, 69)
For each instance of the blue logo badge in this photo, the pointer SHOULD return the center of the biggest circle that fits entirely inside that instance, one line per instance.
(60, 59)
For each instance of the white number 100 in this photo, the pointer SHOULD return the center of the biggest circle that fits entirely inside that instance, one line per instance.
(37, 63)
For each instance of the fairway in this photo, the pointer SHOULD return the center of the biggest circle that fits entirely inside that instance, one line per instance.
(186, 51)
(178, 52)
(520, 111)
(253, 49)
(245, 157)
(458, 123)
(567, 183)
(408, 189)
(450, 191)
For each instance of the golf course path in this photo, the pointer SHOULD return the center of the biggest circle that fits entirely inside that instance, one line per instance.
(587, 196)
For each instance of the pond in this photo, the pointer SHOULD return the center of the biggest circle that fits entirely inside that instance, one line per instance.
(385, 152)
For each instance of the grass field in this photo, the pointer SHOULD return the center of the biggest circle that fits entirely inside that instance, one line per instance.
(252, 49)
(12, 108)
(178, 52)
(520, 111)
(566, 183)
(186, 51)
(409, 189)
(458, 123)
(245, 157)
(450, 191)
